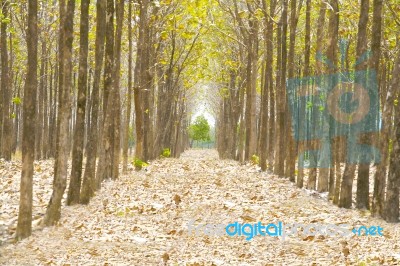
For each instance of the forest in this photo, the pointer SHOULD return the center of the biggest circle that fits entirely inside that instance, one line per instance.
(127, 125)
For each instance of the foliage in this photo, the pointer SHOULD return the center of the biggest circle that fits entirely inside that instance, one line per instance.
(255, 160)
(139, 164)
(200, 129)
(166, 153)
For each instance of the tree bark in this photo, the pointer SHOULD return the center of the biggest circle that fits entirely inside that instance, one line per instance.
(53, 212)
(89, 181)
(24, 226)
(363, 169)
(281, 80)
(117, 101)
(77, 149)
(6, 88)
(393, 183)
(380, 174)
(129, 96)
(104, 166)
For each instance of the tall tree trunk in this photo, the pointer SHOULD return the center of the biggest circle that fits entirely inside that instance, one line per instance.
(290, 147)
(271, 87)
(363, 168)
(24, 226)
(104, 166)
(6, 88)
(380, 174)
(40, 105)
(53, 212)
(307, 53)
(129, 96)
(393, 182)
(89, 180)
(281, 81)
(326, 152)
(77, 149)
(117, 101)
(251, 82)
(312, 176)
(139, 76)
(264, 92)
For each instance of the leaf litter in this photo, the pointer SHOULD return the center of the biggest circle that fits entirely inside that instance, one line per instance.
(142, 219)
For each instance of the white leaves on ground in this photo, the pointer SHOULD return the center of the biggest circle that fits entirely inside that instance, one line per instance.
(142, 219)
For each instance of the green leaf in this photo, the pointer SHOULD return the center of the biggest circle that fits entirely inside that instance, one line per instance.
(16, 100)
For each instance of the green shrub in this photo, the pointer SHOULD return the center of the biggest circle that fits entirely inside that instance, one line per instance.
(166, 153)
(139, 164)
(255, 160)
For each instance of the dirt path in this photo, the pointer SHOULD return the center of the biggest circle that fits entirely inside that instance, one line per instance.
(142, 219)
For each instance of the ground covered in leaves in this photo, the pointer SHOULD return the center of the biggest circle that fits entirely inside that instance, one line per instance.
(142, 219)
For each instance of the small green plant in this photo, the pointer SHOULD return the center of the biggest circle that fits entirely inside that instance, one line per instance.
(255, 160)
(139, 164)
(166, 153)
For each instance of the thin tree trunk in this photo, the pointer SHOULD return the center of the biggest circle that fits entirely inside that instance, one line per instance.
(6, 88)
(24, 226)
(77, 149)
(53, 212)
(129, 100)
(104, 166)
(282, 61)
(380, 174)
(393, 183)
(89, 181)
(40, 104)
(307, 40)
(117, 100)
(290, 147)
(363, 168)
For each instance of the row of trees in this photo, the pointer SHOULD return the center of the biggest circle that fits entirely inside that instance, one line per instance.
(90, 73)
(81, 81)
(275, 98)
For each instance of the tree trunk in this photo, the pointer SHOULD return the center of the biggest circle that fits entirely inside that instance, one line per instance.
(89, 180)
(77, 150)
(282, 61)
(53, 212)
(307, 40)
(24, 226)
(140, 75)
(291, 146)
(129, 100)
(393, 183)
(326, 153)
(363, 169)
(380, 174)
(117, 100)
(6, 88)
(40, 105)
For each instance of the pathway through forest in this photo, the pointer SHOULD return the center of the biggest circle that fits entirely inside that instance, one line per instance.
(142, 219)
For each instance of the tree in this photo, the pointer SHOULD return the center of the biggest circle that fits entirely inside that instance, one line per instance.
(200, 129)
(116, 90)
(129, 97)
(380, 174)
(392, 197)
(89, 181)
(24, 226)
(363, 169)
(77, 149)
(104, 167)
(5, 86)
(53, 212)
